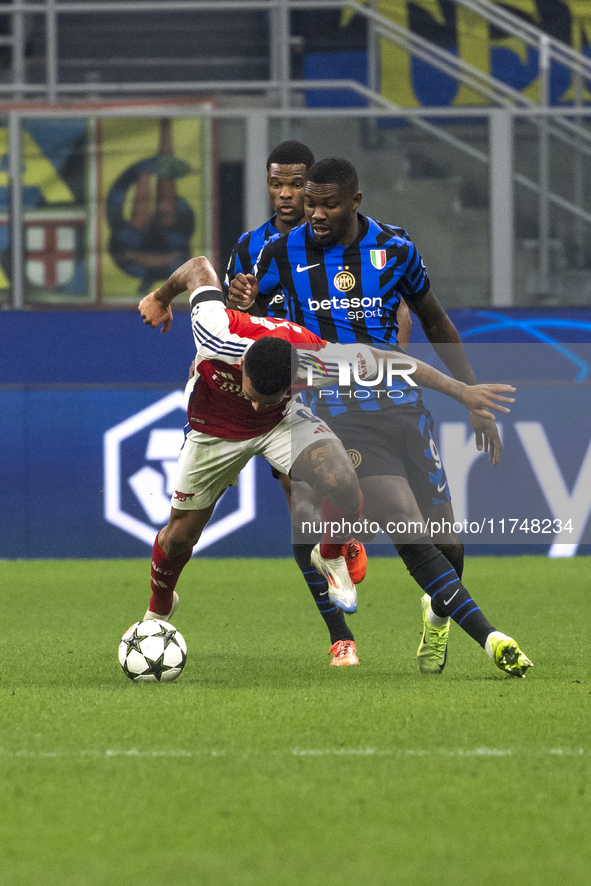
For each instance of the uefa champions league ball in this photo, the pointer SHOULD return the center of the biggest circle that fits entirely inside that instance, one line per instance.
(152, 651)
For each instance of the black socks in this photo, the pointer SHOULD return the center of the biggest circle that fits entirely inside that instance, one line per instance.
(434, 573)
(334, 618)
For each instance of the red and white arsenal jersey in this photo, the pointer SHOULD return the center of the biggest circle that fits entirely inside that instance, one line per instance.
(217, 405)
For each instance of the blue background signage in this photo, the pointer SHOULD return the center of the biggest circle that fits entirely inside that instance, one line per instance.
(92, 412)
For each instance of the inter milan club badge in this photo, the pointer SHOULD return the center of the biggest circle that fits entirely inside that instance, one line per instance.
(378, 258)
(344, 280)
(355, 457)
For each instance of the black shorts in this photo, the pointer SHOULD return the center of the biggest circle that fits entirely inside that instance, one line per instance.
(395, 442)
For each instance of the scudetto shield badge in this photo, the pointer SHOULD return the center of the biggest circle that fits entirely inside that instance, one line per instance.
(378, 258)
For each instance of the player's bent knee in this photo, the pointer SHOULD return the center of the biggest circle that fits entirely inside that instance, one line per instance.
(346, 494)
(326, 467)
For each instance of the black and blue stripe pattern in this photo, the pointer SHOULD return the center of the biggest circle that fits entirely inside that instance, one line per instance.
(348, 294)
(459, 605)
(243, 259)
(319, 589)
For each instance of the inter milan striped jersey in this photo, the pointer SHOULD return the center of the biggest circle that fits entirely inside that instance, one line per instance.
(348, 294)
(243, 258)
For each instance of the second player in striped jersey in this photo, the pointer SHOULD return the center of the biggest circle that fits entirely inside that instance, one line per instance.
(344, 275)
(287, 165)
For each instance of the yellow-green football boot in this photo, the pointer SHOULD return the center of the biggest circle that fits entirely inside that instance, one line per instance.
(507, 655)
(432, 651)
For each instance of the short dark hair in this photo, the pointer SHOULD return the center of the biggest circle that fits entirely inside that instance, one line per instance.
(289, 153)
(334, 171)
(271, 365)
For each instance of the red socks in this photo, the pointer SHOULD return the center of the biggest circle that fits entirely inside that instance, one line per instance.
(333, 539)
(165, 574)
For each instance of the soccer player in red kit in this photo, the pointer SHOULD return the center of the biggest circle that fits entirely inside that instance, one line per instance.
(244, 403)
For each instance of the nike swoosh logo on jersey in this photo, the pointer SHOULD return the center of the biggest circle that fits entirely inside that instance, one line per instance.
(442, 487)
(299, 269)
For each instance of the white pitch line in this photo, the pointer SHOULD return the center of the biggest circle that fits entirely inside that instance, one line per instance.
(110, 753)
(354, 752)
(106, 754)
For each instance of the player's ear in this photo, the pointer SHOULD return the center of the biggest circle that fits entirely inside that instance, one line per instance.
(357, 199)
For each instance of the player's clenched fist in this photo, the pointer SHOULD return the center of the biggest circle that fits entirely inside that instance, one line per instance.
(155, 307)
(155, 312)
(243, 291)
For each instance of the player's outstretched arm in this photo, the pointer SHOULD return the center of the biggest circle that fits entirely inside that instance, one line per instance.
(155, 307)
(478, 399)
(487, 438)
(242, 292)
(441, 332)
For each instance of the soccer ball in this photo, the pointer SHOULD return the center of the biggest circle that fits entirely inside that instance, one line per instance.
(152, 651)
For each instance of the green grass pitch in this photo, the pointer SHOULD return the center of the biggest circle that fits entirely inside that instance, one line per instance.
(262, 765)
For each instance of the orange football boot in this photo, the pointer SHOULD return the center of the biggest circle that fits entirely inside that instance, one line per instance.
(356, 560)
(344, 652)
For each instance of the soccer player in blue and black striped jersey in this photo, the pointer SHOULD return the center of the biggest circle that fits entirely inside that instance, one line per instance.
(344, 275)
(287, 167)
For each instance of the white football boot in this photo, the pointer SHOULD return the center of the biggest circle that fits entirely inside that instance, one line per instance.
(149, 616)
(341, 589)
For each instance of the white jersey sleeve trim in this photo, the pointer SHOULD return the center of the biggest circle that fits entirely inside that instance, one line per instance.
(211, 331)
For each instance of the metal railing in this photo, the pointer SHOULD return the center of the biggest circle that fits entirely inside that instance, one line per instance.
(549, 49)
(281, 88)
(280, 41)
(283, 94)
